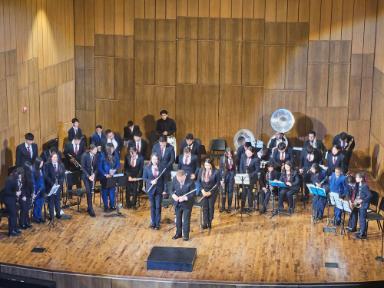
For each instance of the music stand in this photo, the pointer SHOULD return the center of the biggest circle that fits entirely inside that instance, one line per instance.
(117, 181)
(316, 191)
(241, 179)
(277, 184)
(333, 197)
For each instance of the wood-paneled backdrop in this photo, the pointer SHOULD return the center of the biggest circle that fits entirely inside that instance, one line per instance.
(221, 65)
(36, 71)
(377, 122)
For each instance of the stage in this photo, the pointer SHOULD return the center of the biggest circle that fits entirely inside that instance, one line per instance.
(258, 250)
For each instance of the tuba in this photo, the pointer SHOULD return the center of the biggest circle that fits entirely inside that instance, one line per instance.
(282, 120)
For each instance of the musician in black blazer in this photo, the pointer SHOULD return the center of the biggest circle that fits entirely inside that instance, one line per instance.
(308, 157)
(227, 171)
(113, 138)
(98, 137)
(133, 167)
(315, 143)
(88, 175)
(241, 150)
(335, 159)
(363, 199)
(165, 125)
(130, 130)
(251, 165)
(26, 151)
(10, 194)
(281, 155)
(276, 140)
(292, 180)
(166, 155)
(181, 185)
(192, 144)
(267, 174)
(54, 173)
(346, 143)
(74, 148)
(189, 163)
(139, 143)
(75, 130)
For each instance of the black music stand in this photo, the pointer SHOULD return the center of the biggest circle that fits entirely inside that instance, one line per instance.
(117, 181)
(243, 180)
(278, 184)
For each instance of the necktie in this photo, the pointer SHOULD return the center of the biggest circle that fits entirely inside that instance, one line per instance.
(29, 150)
(248, 161)
(334, 160)
(138, 146)
(133, 161)
(76, 149)
(162, 151)
(282, 156)
(186, 160)
(230, 163)
(55, 165)
(207, 176)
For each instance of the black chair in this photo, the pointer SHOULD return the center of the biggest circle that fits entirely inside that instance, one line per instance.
(374, 202)
(217, 148)
(377, 216)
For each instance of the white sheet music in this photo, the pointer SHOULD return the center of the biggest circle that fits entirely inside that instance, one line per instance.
(333, 196)
(346, 206)
(118, 175)
(242, 178)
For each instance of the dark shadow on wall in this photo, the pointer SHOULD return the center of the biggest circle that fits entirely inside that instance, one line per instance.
(6, 162)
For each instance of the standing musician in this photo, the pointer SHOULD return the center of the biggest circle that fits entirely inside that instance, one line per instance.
(39, 190)
(281, 155)
(109, 162)
(26, 151)
(139, 143)
(315, 143)
(267, 174)
(276, 140)
(309, 156)
(228, 171)
(192, 144)
(88, 175)
(318, 178)
(241, 149)
(155, 188)
(338, 184)
(189, 163)
(25, 200)
(130, 130)
(133, 167)
(46, 154)
(12, 192)
(335, 159)
(346, 143)
(181, 185)
(113, 139)
(250, 165)
(362, 201)
(165, 125)
(291, 178)
(54, 173)
(352, 194)
(75, 130)
(209, 181)
(75, 149)
(98, 137)
(166, 156)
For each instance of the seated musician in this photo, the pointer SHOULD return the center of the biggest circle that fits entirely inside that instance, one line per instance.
(73, 149)
(309, 156)
(228, 171)
(338, 184)
(281, 155)
(114, 139)
(165, 125)
(250, 165)
(276, 140)
(352, 193)
(98, 138)
(139, 143)
(292, 180)
(133, 166)
(183, 203)
(362, 201)
(318, 178)
(315, 143)
(268, 174)
(192, 144)
(189, 163)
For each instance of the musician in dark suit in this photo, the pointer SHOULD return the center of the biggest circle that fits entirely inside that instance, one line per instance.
(12, 191)
(139, 143)
(281, 155)
(335, 159)
(88, 175)
(291, 179)
(75, 130)
(26, 151)
(46, 154)
(189, 163)
(315, 143)
(166, 154)
(209, 181)
(276, 140)
(267, 174)
(363, 199)
(54, 173)
(75, 149)
(181, 185)
(114, 139)
(165, 125)
(227, 171)
(98, 138)
(346, 143)
(192, 144)
(39, 190)
(108, 164)
(319, 179)
(352, 195)
(155, 188)
(251, 165)
(241, 150)
(130, 130)
(133, 167)
(308, 157)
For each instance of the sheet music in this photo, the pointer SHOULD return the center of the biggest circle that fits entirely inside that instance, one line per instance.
(333, 196)
(346, 206)
(242, 178)
(118, 175)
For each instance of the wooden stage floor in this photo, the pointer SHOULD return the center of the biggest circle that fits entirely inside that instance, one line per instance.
(259, 249)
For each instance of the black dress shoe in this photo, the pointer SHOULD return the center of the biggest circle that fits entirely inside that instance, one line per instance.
(91, 213)
(28, 225)
(205, 226)
(221, 210)
(360, 237)
(185, 238)
(209, 225)
(229, 210)
(157, 227)
(152, 226)
(290, 210)
(13, 234)
(17, 231)
(58, 216)
(23, 227)
(176, 237)
(38, 221)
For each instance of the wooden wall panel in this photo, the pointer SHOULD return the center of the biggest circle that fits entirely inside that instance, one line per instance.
(208, 62)
(274, 67)
(253, 64)
(187, 61)
(230, 62)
